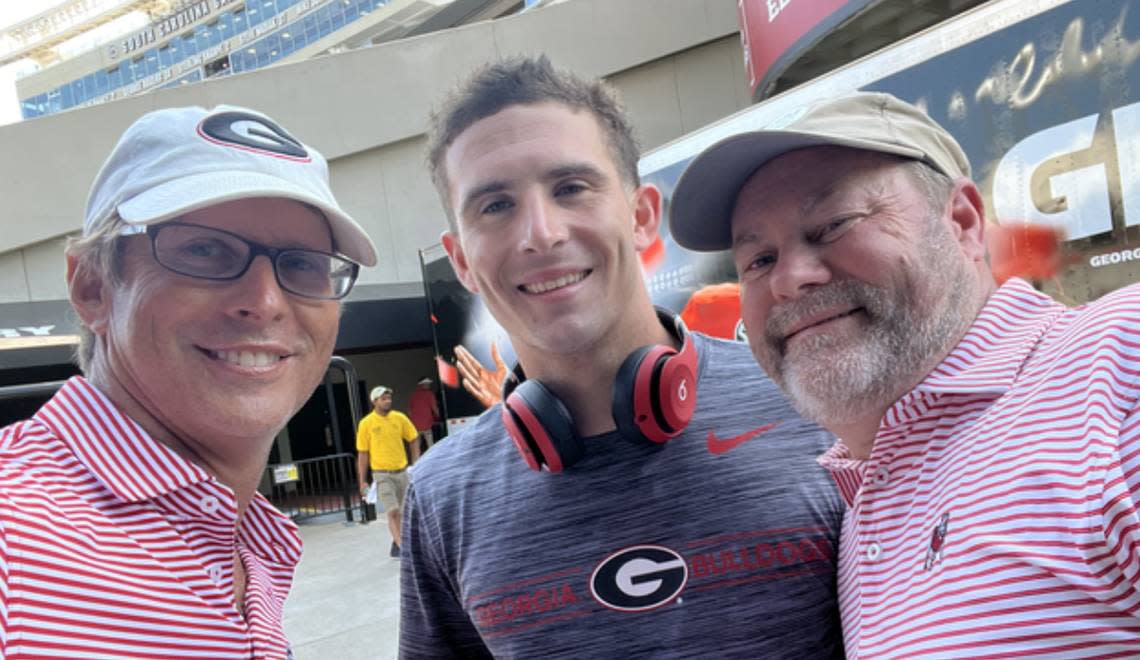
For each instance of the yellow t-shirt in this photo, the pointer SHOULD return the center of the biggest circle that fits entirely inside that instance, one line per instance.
(380, 436)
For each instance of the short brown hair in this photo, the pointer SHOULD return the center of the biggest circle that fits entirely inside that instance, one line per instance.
(527, 81)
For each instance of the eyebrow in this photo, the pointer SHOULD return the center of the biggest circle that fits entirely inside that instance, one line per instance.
(484, 189)
(805, 209)
(584, 170)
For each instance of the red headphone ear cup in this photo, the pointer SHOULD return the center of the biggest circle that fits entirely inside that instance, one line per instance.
(541, 427)
(636, 403)
(676, 395)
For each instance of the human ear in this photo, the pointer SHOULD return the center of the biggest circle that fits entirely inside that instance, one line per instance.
(967, 215)
(455, 254)
(89, 293)
(646, 215)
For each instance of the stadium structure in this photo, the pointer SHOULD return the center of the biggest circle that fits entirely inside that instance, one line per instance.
(85, 52)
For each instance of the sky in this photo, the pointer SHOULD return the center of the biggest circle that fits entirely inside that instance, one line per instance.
(10, 13)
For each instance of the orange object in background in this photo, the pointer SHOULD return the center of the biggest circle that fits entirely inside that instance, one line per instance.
(653, 256)
(714, 310)
(1024, 250)
(448, 374)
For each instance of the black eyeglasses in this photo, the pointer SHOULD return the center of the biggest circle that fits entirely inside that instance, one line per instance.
(216, 254)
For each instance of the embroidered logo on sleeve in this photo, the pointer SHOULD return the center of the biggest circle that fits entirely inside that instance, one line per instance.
(937, 542)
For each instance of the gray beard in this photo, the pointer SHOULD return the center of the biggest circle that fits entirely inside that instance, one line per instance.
(837, 381)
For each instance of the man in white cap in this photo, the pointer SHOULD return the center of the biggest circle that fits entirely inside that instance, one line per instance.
(380, 440)
(207, 281)
(989, 446)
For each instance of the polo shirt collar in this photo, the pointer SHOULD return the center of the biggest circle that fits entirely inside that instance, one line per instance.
(991, 354)
(115, 449)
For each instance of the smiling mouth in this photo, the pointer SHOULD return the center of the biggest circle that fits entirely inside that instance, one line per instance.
(822, 321)
(245, 358)
(557, 283)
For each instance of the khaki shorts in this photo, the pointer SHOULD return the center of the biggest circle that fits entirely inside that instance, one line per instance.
(390, 487)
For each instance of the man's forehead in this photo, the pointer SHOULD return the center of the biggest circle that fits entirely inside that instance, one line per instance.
(266, 218)
(866, 179)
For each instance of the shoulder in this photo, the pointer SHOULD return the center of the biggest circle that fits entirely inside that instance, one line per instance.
(463, 456)
(34, 467)
(1111, 323)
(735, 395)
(728, 369)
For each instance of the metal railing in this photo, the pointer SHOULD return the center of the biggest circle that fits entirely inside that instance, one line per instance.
(315, 487)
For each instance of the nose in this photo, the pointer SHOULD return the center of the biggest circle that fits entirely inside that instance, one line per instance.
(797, 271)
(543, 225)
(256, 295)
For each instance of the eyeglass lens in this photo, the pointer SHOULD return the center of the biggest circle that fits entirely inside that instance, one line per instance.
(219, 255)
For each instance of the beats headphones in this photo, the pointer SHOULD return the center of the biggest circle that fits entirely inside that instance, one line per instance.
(654, 395)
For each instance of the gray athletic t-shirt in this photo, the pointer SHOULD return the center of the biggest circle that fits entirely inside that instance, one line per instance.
(719, 544)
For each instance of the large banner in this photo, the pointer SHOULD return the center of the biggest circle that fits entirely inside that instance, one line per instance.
(1044, 96)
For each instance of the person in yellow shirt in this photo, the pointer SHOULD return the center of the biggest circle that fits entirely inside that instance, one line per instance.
(379, 448)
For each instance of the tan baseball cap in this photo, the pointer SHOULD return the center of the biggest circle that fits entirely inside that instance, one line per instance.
(700, 216)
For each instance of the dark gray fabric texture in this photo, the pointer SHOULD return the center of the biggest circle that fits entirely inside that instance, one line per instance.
(636, 551)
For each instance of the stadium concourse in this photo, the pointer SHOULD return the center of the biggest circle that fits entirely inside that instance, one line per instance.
(345, 598)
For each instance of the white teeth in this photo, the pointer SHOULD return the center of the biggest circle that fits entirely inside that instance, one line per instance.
(565, 280)
(247, 358)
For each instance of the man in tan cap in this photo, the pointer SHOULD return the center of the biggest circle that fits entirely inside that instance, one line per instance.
(989, 444)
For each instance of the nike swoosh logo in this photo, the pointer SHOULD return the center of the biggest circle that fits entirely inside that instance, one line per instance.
(718, 446)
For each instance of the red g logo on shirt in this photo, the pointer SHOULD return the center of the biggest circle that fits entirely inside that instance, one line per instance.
(640, 578)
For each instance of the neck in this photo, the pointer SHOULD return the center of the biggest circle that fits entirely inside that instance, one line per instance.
(237, 462)
(859, 437)
(584, 380)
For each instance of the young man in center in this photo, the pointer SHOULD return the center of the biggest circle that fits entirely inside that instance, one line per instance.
(644, 533)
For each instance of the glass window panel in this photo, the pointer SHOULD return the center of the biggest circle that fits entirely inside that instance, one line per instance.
(336, 15)
(324, 23)
(151, 61)
(115, 77)
(202, 37)
(189, 45)
(273, 46)
(351, 10)
(88, 87)
(66, 100)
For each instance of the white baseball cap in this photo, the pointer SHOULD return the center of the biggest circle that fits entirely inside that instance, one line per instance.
(379, 391)
(173, 161)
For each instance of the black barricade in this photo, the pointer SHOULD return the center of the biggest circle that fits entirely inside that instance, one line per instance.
(314, 487)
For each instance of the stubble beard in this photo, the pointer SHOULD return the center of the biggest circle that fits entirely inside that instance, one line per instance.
(837, 379)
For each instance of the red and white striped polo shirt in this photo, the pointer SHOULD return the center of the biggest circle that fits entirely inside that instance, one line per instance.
(996, 516)
(112, 546)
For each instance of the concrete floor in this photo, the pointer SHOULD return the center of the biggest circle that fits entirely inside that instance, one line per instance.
(345, 599)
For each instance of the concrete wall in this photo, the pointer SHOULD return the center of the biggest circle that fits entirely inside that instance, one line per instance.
(677, 62)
